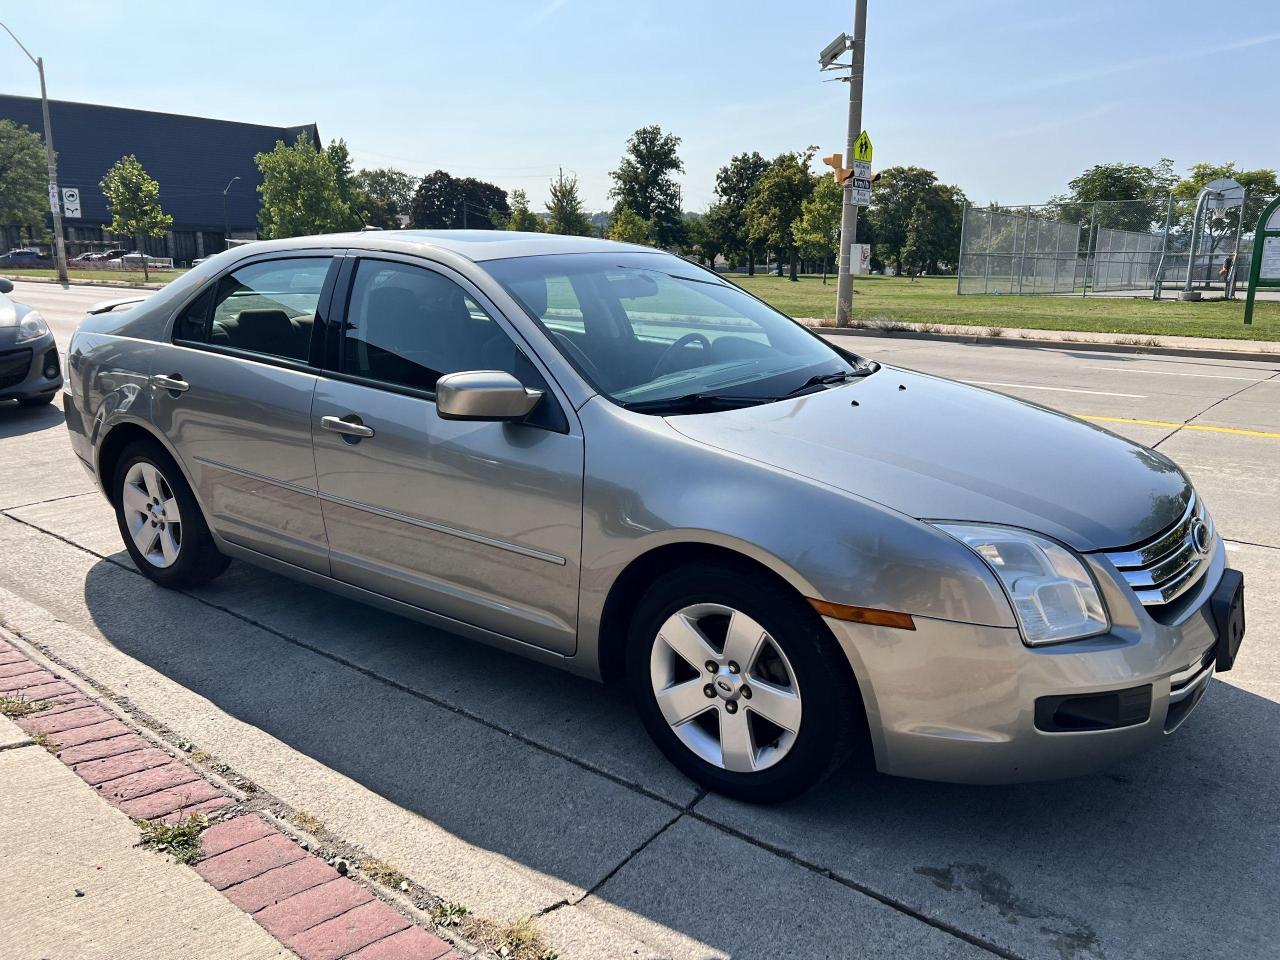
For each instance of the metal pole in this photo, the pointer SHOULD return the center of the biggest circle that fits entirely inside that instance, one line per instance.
(226, 217)
(1196, 223)
(1088, 255)
(1164, 249)
(1022, 263)
(54, 199)
(964, 222)
(1230, 291)
(849, 212)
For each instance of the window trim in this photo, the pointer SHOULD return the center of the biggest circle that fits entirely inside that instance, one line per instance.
(336, 322)
(313, 364)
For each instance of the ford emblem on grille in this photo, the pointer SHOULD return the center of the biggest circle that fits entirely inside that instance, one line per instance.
(1200, 536)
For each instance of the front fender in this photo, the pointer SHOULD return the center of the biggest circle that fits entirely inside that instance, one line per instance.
(647, 486)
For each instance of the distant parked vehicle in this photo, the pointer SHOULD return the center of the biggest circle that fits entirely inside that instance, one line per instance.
(30, 371)
(99, 256)
(135, 260)
(22, 257)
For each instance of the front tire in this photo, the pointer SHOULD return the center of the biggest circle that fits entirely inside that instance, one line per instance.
(160, 522)
(741, 684)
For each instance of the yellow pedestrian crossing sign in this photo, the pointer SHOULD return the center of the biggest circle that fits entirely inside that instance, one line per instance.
(862, 148)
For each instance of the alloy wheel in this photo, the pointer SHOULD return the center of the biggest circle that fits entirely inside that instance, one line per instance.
(151, 513)
(725, 687)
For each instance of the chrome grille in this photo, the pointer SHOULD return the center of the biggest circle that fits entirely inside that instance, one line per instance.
(1167, 566)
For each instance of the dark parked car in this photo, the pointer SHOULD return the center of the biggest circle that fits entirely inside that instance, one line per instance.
(22, 258)
(29, 369)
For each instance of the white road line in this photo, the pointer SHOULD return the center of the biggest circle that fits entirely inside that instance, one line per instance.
(1172, 373)
(1029, 386)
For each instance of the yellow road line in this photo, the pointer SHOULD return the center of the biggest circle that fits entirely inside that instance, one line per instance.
(1183, 426)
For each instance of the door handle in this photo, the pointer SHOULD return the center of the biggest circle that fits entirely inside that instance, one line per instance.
(349, 426)
(172, 382)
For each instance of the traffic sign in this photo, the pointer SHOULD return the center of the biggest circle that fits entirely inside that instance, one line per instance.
(862, 169)
(71, 203)
(862, 148)
(53, 197)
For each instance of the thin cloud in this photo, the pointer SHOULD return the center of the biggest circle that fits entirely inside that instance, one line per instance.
(547, 11)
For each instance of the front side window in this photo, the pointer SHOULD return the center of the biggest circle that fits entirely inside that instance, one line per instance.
(267, 308)
(409, 326)
(650, 328)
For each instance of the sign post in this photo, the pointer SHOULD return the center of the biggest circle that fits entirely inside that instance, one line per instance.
(1264, 265)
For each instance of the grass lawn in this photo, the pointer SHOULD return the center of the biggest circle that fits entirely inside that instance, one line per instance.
(934, 300)
(120, 276)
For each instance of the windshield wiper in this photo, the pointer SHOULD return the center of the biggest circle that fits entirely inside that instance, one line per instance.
(830, 379)
(696, 403)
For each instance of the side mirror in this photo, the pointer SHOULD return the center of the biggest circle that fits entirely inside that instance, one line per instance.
(6, 285)
(484, 395)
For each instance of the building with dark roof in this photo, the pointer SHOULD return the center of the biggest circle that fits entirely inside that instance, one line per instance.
(192, 158)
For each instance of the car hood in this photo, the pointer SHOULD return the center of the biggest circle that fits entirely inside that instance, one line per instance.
(940, 450)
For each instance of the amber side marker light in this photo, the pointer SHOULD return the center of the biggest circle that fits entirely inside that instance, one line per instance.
(878, 618)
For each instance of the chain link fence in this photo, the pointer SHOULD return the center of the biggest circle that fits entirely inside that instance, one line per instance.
(1138, 247)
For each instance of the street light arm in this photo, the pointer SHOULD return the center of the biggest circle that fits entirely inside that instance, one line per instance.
(19, 43)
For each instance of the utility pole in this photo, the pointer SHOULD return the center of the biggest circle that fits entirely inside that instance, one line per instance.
(849, 213)
(55, 199)
(226, 216)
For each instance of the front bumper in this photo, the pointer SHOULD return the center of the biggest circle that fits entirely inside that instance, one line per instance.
(31, 370)
(958, 702)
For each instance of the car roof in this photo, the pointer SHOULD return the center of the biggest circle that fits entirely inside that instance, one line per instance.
(474, 245)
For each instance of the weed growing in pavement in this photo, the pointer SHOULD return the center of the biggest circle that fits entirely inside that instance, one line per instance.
(305, 821)
(450, 914)
(522, 941)
(995, 331)
(14, 707)
(44, 740)
(382, 872)
(179, 840)
(1139, 341)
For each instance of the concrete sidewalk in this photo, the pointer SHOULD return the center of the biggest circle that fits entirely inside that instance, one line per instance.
(75, 885)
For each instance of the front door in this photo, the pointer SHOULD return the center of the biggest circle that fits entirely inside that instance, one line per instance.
(233, 394)
(480, 522)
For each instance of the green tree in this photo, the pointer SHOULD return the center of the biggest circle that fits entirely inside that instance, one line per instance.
(893, 201)
(629, 227)
(1146, 190)
(522, 218)
(645, 182)
(134, 201)
(776, 206)
(301, 192)
(701, 240)
(24, 196)
(449, 203)
(920, 248)
(344, 178)
(817, 231)
(566, 214)
(388, 196)
(1221, 224)
(736, 184)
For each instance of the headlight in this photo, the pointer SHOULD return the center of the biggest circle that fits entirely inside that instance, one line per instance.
(1052, 592)
(31, 327)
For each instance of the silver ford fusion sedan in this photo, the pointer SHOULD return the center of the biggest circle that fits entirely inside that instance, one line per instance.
(605, 458)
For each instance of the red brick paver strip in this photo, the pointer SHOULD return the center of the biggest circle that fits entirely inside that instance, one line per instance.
(230, 834)
(279, 884)
(348, 933)
(167, 801)
(67, 720)
(411, 944)
(100, 749)
(250, 860)
(94, 772)
(308, 909)
(294, 895)
(146, 782)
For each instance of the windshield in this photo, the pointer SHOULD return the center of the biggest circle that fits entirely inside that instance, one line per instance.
(649, 328)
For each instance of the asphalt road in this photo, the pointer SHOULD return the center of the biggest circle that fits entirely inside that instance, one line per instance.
(517, 790)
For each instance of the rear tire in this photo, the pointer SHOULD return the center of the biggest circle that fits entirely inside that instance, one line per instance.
(160, 522)
(762, 730)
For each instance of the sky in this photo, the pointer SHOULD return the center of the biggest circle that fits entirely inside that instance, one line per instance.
(1008, 99)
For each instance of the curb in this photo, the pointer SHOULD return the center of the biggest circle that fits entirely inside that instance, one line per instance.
(311, 908)
(1048, 343)
(125, 284)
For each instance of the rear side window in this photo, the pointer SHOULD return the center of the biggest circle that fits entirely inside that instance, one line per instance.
(266, 308)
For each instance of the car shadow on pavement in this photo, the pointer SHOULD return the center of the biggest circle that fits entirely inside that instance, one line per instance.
(1171, 853)
(16, 420)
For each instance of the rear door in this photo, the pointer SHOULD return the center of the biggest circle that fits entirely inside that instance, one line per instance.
(480, 522)
(233, 393)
